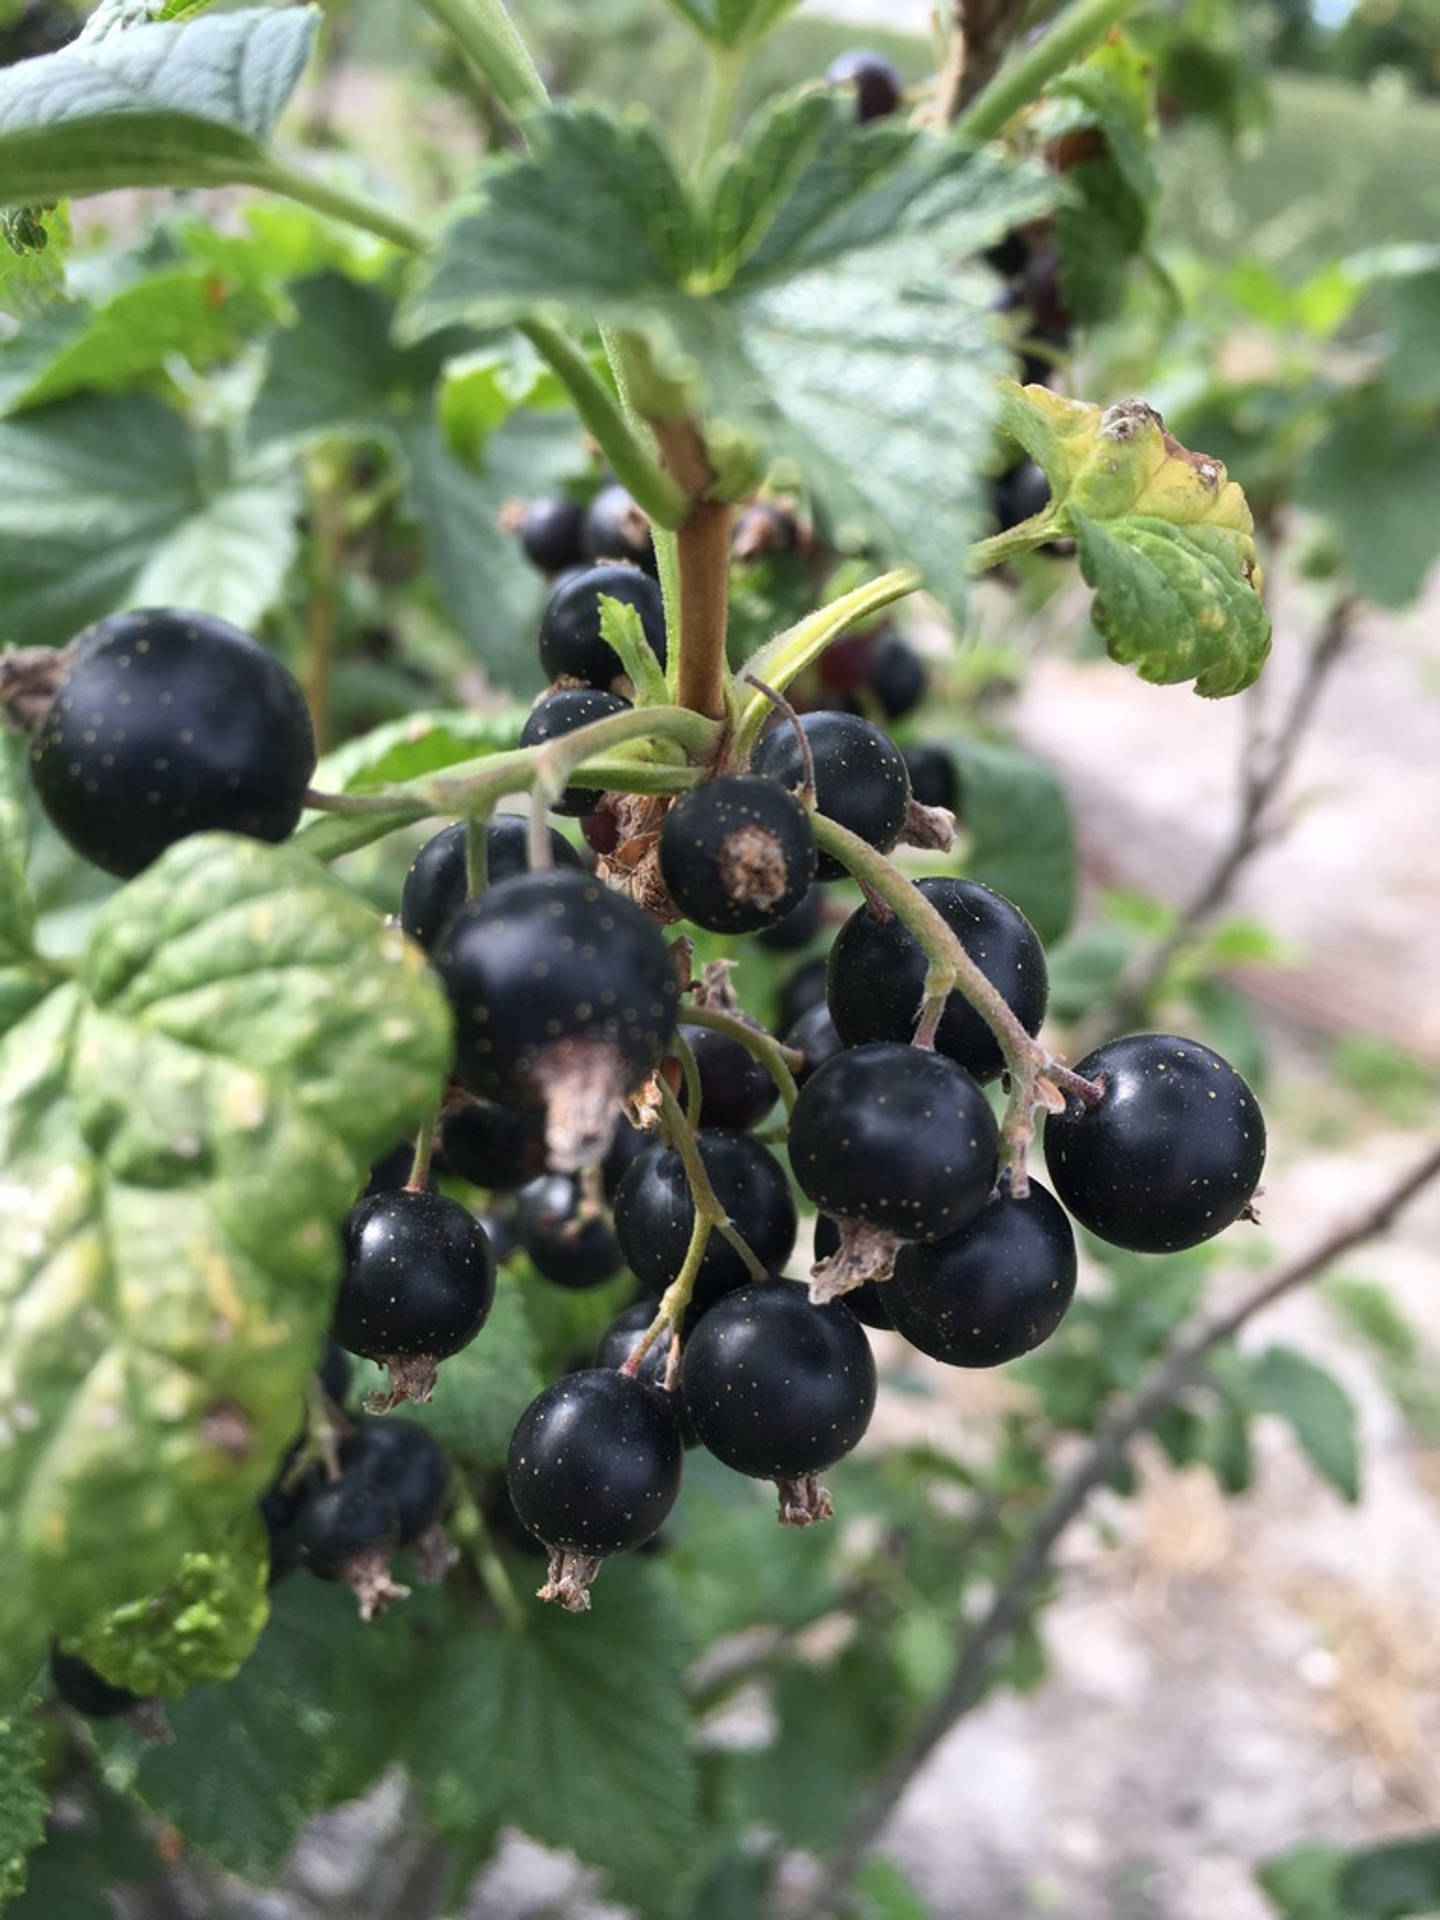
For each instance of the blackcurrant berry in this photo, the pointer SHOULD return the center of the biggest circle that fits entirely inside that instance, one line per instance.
(565, 1244)
(334, 1371)
(1019, 494)
(860, 777)
(593, 1469)
(869, 1301)
(437, 883)
(419, 1282)
(897, 1138)
(934, 777)
(166, 723)
(553, 534)
(779, 1389)
(86, 1691)
(878, 86)
(617, 529)
(571, 643)
(655, 1213)
(814, 1037)
(898, 677)
(564, 996)
(347, 1530)
(737, 853)
(798, 928)
(736, 1090)
(392, 1170)
(555, 715)
(406, 1461)
(281, 1505)
(627, 1145)
(499, 1148)
(804, 989)
(876, 978)
(993, 1290)
(501, 1232)
(618, 1342)
(1170, 1154)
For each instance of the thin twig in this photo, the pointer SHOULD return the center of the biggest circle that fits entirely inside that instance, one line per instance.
(979, 1643)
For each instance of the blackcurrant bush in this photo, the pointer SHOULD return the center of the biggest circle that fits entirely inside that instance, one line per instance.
(993, 1290)
(418, 1286)
(868, 1301)
(736, 1090)
(617, 529)
(798, 928)
(565, 1244)
(876, 977)
(553, 534)
(84, 1690)
(655, 1212)
(860, 777)
(166, 723)
(814, 1037)
(437, 883)
(737, 853)
(565, 997)
(1169, 1155)
(593, 1469)
(779, 1389)
(934, 777)
(571, 643)
(406, 1461)
(877, 84)
(557, 714)
(897, 1138)
(499, 1148)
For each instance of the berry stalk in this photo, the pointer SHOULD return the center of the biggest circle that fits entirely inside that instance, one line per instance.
(1066, 39)
(775, 1058)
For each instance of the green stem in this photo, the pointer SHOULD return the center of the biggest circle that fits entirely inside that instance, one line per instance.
(726, 66)
(484, 31)
(647, 481)
(468, 1530)
(667, 552)
(684, 1053)
(477, 854)
(1024, 537)
(1067, 38)
(764, 1046)
(276, 177)
(424, 1153)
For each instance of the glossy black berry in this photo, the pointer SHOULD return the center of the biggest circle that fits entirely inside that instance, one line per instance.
(860, 777)
(993, 1290)
(898, 678)
(565, 1243)
(167, 723)
(392, 1170)
(627, 1144)
(334, 1371)
(557, 714)
(594, 1464)
(934, 777)
(1169, 1156)
(84, 1690)
(436, 885)
(804, 989)
(546, 964)
(868, 1302)
(281, 1505)
(898, 1137)
(798, 928)
(501, 1232)
(1019, 494)
(877, 83)
(616, 529)
(814, 1036)
(778, 1388)
(553, 534)
(419, 1278)
(571, 643)
(618, 1342)
(737, 853)
(345, 1520)
(406, 1461)
(654, 1214)
(499, 1148)
(876, 977)
(736, 1090)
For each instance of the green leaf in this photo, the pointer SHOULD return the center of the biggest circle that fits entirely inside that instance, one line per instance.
(419, 744)
(161, 105)
(622, 629)
(1374, 473)
(114, 502)
(183, 1130)
(575, 1730)
(733, 23)
(1413, 369)
(1316, 1408)
(1386, 1883)
(23, 1799)
(1305, 1884)
(24, 978)
(33, 280)
(882, 1892)
(75, 1873)
(1020, 838)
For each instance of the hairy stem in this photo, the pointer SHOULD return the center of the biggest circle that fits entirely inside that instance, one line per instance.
(702, 543)
(337, 204)
(725, 68)
(486, 34)
(1066, 39)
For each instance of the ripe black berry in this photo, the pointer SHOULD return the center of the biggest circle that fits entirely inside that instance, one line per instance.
(627, 1145)
(570, 638)
(736, 1090)
(655, 1212)
(804, 989)
(166, 723)
(565, 1243)
(860, 777)
(618, 1342)
(813, 1036)
(1019, 494)
(737, 853)
(500, 1148)
(878, 86)
(347, 1531)
(553, 534)
(934, 777)
(593, 1469)
(993, 1290)
(898, 677)
(897, 1138)
(435, 887)
(779, 1389)
(334, 1371)
(616, 529)
(876, 977)
(798, 928)
(419, 1282)
(564, 996)
(405, 1461)
(557, 714)
(86, 1691)
(1171, 1153)
(869, 1301)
